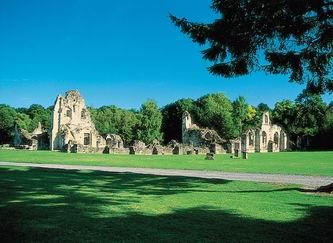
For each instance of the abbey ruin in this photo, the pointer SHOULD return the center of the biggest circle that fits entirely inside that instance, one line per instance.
(73, 131)
(72, 128)
(267, 138)
(201, 138)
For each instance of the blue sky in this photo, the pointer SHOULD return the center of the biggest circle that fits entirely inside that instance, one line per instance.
(119, 52)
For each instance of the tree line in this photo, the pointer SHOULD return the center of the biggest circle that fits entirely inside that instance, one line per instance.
(308, 120)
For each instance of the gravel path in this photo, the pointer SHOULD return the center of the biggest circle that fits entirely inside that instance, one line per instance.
(307, 181)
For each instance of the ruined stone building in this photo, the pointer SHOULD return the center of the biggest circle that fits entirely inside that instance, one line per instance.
(115, 145)
(37, 140)
(267, 138)
(198, 137)
(72, 128)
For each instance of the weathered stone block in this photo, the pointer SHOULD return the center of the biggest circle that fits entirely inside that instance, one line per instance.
(210, 156)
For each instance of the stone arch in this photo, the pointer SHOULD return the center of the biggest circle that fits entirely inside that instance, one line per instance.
(264, 138)
(83, 114)
(251, 138)
(69, 113)
(276, 138)
(266, 118)
(176, 150)
(86, 139)
(208, 135)
(108, 141)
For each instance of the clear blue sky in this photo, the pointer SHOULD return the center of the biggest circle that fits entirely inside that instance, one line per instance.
(119, 52)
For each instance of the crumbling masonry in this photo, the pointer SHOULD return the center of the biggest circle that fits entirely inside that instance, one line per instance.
(73, 131)
(72, 127)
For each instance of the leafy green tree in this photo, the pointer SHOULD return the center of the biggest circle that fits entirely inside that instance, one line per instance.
(263, 107)
(243, 116)
(37, 113)
(328, 120)
(129, 125)
(23, 121)
(302, 119)
(172, 118)
(111, 119)
(293, 36)
(22, 110)
(7, 123)
(150, 122)
(311, 111)
(284, 114)
(257, 119)
(215, 111)
(107, 119)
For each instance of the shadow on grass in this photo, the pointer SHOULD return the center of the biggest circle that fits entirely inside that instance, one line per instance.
(57, 205)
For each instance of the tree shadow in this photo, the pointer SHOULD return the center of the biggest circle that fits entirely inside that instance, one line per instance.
(62, 213)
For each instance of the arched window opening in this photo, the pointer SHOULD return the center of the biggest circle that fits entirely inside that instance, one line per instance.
(264, 137)
(86, 139)
(83, 114)
(69, 113)
(251, 139)
(276, 138)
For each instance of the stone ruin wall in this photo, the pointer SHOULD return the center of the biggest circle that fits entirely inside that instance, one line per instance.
(267, 138)
(73, 131)
(36, 140)
(200, 140)
(72, 127)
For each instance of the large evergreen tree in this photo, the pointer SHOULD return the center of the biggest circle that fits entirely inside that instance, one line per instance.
(293, 36)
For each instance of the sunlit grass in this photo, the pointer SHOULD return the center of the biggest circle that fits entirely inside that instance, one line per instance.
(304, 163)
(57, 205)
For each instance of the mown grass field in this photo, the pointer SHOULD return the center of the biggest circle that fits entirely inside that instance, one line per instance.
(301, 163)
(84, 206)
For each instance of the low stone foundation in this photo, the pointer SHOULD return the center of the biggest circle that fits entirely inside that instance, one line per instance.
(108, 150)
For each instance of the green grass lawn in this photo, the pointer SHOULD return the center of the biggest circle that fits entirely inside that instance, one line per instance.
(301, 163)
(81, 206)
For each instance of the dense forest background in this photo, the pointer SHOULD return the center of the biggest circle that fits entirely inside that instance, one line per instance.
(308, 120)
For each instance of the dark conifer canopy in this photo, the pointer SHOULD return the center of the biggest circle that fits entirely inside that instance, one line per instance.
(294, 36)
